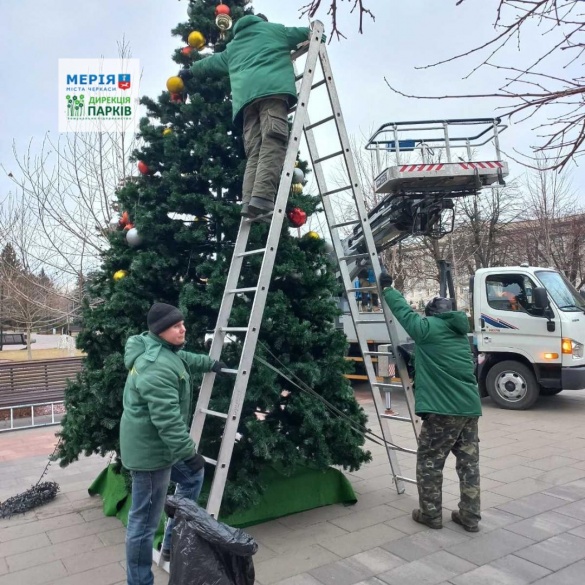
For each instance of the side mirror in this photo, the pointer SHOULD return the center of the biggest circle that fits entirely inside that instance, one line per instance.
(540, 298)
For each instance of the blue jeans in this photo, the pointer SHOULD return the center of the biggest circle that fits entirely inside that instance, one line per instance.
(149, 492)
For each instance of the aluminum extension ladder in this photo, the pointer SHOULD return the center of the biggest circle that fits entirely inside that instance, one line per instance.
(316, 52)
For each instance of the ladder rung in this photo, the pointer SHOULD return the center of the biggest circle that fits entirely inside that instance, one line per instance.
(406, 479)
(319, 84)
(235, 291)
(396, 417)
(234, 329)
(403, 449)
(377, 353)
(354, 256)
(360, 288)
(379, 385)
(323, 121)
(229, 371)
(372, 321)
(343, 224)
(210, 460)
(339, 190)
(252, 252)
(323, 158)
(214, 412)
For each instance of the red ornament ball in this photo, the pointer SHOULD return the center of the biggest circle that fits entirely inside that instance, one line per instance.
(186, 51)
(222, 9)
(124, 220)
(177, 98)
(143, 167)
(297, 217)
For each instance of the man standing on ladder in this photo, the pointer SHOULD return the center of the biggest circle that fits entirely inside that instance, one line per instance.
(262, 78)
(447, 399)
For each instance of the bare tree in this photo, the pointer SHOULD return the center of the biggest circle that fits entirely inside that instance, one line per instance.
(541, 87)
(310, 9)
(552, 230)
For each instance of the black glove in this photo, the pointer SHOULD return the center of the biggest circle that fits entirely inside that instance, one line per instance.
(195, 462)
(185, 74)
(217, 367)
(385, 280)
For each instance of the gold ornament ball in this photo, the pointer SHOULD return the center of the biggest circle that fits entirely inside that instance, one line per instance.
(175, 84)
(120, 274)
(196, 40)
(313, 235)
(167, 131)
(296, 188)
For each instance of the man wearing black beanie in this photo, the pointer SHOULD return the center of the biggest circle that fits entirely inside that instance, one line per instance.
(155, 443)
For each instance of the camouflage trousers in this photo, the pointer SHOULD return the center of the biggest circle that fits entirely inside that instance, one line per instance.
(441, 435)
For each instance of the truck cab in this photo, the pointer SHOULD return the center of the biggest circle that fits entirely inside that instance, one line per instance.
(529, 334)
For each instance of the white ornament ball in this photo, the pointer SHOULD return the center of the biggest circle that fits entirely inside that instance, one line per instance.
(298, 176)
(133, 238)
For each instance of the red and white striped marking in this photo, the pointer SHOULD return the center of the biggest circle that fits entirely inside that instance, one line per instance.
(439, 166)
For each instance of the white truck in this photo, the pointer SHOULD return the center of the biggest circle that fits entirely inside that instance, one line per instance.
(527, 323)
(528, 332)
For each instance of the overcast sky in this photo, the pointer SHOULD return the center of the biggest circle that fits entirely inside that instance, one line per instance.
(36, 34)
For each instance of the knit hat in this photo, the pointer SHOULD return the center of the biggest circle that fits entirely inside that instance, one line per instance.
(162, 316)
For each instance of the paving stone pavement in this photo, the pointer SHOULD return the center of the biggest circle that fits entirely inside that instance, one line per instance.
(533, 527)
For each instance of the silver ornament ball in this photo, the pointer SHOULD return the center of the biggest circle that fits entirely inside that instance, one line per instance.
(133, 238)
(298, 176)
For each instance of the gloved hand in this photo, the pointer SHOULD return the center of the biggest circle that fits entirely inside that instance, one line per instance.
(385, 280)
(217, 367)
(195, 462)
(185, 74)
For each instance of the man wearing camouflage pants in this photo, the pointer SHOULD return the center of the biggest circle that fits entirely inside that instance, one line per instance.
(447, 399)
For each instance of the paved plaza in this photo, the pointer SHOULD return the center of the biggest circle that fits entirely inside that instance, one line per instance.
(533, 528)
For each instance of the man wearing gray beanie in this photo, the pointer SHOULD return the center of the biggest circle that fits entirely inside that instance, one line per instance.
(155, 443)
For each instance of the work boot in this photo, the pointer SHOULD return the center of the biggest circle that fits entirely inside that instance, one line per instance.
(259, 206)
(245, 211)
(456, 517)
(419, 517)
(165, 555)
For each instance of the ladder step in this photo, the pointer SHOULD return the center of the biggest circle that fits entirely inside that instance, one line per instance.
(396, 417)
(332, 155)
(323, 121)
(345, 223)
(318, 84)
(234, 329)
(252, 252)
(379, 385)
(214, 412)
(210, 460)
(354, 256)
(389, 353)
(339, 190)
(403, 449)
(235, 291)
(406, 479)
(360, 288)
(372, 321)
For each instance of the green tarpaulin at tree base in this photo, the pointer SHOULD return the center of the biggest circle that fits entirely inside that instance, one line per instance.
(304, 489)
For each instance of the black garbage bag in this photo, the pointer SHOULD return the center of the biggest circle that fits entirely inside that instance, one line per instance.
(205, 551)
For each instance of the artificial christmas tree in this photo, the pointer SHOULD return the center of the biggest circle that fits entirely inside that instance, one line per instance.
(196, 170)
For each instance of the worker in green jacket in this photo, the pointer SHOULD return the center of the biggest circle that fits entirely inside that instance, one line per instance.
(447, 399)
(262, 79)
(155, 444)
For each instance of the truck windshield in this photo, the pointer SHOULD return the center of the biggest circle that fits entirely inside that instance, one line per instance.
(563, 293)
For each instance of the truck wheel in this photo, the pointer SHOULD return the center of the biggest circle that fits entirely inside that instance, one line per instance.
(550, 391)
(512, 385)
